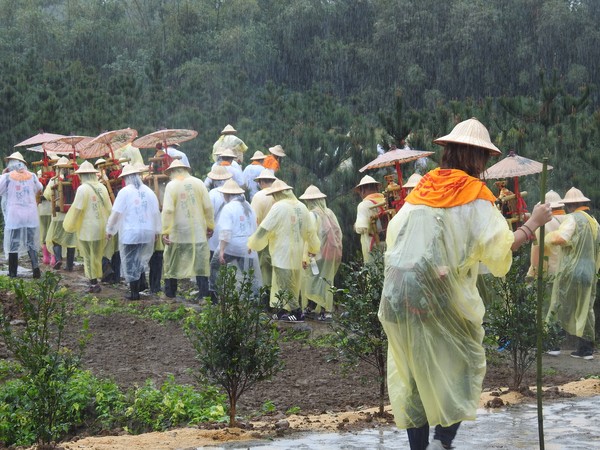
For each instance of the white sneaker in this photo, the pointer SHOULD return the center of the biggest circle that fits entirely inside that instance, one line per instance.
(436, 445)
(553, 352)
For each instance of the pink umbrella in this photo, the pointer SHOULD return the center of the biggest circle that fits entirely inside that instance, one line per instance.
(104, 143)
(39, 138)
(69, 145)
(165, 137)
(395, 158)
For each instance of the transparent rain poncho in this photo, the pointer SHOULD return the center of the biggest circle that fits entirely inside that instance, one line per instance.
(186, 215)
(217, 200)
(286, 230)
(262, 204)
(250, 172)
(44, 208)
(56, 233)
(574, 289)
(318, 287)
(136, 218)
(18, 189)
(364, 212)
(431, 311)
(87, 218)
(235, 225)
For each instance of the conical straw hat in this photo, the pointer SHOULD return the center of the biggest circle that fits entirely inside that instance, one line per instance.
(228, 130)
(63, 161)
(574, 195)
(227, 153)
(266, 175)
(86, 167)
(412, 181)
(17, 156)
(277, 150)
(176, 164)
(129, 169)
(367, 179)
(470, 132)
(554, 199)
(278, 186)
(312, 192)
(219, 173)
(99, 161)
(258, 155)
(230, 187)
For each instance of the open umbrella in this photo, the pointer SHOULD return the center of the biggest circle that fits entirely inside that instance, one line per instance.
(67, 145)
(165, 137)
(395, 158)
(39, 138)
(514, 166)
(105, 143)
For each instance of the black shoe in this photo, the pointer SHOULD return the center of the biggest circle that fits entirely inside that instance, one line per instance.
(583, 355)
(37, 273)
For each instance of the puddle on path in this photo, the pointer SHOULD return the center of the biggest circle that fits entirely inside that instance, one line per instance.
(568, 425)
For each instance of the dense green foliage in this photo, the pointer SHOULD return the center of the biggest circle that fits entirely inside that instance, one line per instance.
(235, 342)
(319, 77)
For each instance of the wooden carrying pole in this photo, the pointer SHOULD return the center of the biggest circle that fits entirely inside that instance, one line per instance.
(539, 319)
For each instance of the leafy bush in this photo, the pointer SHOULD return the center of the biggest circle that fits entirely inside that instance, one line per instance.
(236, 343)
(359, 335)
(511, 318)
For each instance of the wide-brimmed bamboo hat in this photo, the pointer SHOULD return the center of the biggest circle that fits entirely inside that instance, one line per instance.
(412, 181)
(312, 193)
(176, 164)
(17, 156)
(130, 169)
(277, 150)
(258, 155)
(574, 195)
(367, 179)
(219, 173)
(470, 132)
(554, 199)
(63, 161)
(227, 153)
(266, 174)
(99, 161)
(228, 130)
(278, 186)
(230, 187)
(86, 167)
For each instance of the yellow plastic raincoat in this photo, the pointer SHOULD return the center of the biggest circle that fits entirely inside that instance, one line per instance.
(431, 311)
(87, 218)
(318, 287)
(364, 212)
(574, 290)
(187, 214)
(287, 228)
(56, 233)
(226, 141)
(261, 204)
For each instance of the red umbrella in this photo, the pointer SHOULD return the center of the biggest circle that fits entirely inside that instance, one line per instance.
(165, 137)
(105, 142)
(39, 138)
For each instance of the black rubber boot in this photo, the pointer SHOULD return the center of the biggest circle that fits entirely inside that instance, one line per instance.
(143, 285)
(134, 287)
(70, 259)
(107, 270)
(13, 264)
(37, 273)
(115, 262)
(58, 256)
(170, 287)
(156, 267)
(202, 283)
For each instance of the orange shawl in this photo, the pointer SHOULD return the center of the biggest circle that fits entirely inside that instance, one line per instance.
(445, 188)
(271, 163)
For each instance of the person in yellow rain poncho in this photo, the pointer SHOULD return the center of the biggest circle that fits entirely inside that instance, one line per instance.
(261, 204)
(87, 218)
(551, 252)
(368, 191)
(57, 237)
(130, 154)
(430, 308)
(228, 139)
(317, 282)
(187, 223)
(287, 229)
(574, 289)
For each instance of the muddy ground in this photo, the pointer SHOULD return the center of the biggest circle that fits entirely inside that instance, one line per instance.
(131, 349)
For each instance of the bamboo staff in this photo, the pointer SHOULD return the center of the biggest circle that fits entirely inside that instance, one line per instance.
(539, 319)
